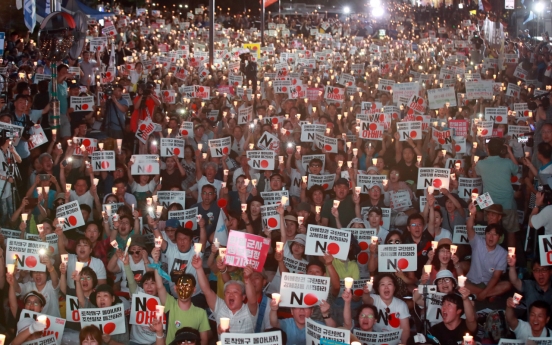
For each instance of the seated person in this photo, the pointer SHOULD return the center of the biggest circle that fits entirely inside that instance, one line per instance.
(453, 327)
(539, 315)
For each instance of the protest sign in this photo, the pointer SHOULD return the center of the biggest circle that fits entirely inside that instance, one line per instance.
(467, 186)
(308, 131)
(316, 331)
(371, 130)
(54, 325)
(303, 290)
(103, 161)
(497, 115)
(265, 338)
(436, 177)
(367, 181)
(143, 309)
(268, 141)
(72, 309)
(261, 159)
(322, 239)
(440, 97)
(145, 128)
(326, 181)
(110, 320)
(378, 338)
(246, 249)
(187, 218)
(245, 115)
(186, 128)
(85, 103)
(89, 144)
(327, 144)
(270, 217)
(397, 256)
(409, 130)
(172, 147)
(47, 340)
(145, 165)
(26, 254)
(275, 198)
(51, 239)
(165, 198)
(334, 94)
(72, 215)
(220, 147)
(460, 235)
(480, 89)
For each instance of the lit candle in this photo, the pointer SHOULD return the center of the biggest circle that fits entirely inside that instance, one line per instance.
(222, 252)
(511, 251)
(284, 200)
(434, 245)
(348, 283)
(127, 245)
(11, 268)
(468, 339)
(114, 190)
(462, 281)
(158, 211)
(199, 146)
(159, 311)
(374, 239)
(476, 158)
(430, 189)
(453, 249)
(225, 172)
(357, 190)
(355, 152)
(42, 319)
(197, 248)
(517, 298)
(276, 297)
(244, 207)
(279, 246)
(318, 208)
(336, 203)
(216, 243)
(224, 323)
(79, 266)
(427, 269)
(24, 217)
(39, 190)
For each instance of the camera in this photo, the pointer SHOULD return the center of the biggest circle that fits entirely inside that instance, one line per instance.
(545, 101)
(108, 90)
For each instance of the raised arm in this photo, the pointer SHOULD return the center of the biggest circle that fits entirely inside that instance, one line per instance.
(510, 315)
(161, 291)
(250, 290)
(203, 282)
(470, 222)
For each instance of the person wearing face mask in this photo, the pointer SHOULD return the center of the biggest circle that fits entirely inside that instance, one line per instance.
(102, 297)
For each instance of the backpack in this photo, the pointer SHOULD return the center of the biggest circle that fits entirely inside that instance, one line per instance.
(496, 327)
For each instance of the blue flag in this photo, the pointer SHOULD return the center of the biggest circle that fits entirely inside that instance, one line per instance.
(29, 13)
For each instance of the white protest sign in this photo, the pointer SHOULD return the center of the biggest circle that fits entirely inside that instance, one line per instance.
(85, 103)
(371, 130)
(327, 144)
(220, 147)
(145, 165)
(143, 309)
(26, 254)
(261, 159)
(103, 161)
(497, 115)
(435, 177)
(397, 256)
(460, 235)
(110, 320)
(378, 338)
(54, 325)
(322, 239)
(72, 214)
(326, 181)
(409, 130)
(90, 145)
(268, 141)
(47, 340)
(316, 331)
(187, 218)
(265, 338)
(303, 290)
(172, 147)
(308, 132)
(438, 98)
(467, 186)
(165, 198)
(366, 181)
(186, 128)
(51, 239)
(270, 217)
(275, 198)
(72, 309)
(145, 128)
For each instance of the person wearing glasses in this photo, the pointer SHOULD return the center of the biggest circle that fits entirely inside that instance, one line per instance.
(537, 289)
(138, 262)
(440, 259)
(420, 237)
(33, 301)
(393, 312)
(208, 208)
(364, 321)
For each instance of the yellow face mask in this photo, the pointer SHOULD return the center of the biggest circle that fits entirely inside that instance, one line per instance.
(184, 287)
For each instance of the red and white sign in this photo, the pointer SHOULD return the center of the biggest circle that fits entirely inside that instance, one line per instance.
(371, 130)
(172, 147)
(220, 147)
(270, 217)
(54, 325)
(169, 96)
(322, 239)
(110, 320)
(409, 130)
(89, 143)
(145, 165)
(71, 212)
(303, 290)
(103, 161)
(497, 115)
(392, 257)
(261, 159)
(246, 249)
(186, 129)
(145, 128)
(434, 177)
(85, 103)
(144, 309)
(416, 104)
(335, 94)
(26, 254)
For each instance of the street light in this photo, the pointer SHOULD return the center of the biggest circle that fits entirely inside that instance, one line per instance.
(377, 12)
(539, 7)
(346, 10)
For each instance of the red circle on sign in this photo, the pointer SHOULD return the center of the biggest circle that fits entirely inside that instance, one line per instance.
(189, 224)
(310, 299)
(264, 163)
(421, 101)
(105, 164)
(382, 117)
(109, 328)
(410, 112)
(272, 222)
(475, 190)
(358, 292)
(419, 118)
(437, 183)
(514, 179)
(149, 168)
(166, 93)
(184, 132)
(298, 88)
(142, 127)
(84, 106)
(201, 89)
(441, 141)
(363, 245)
(325, 186)
(402, 264)
(294, 81)
(284, 89)
(72, 220)
(484, 132)
(395, 115)
(328, 147)
(373, 127)
(336, 91)
(457, 148)
(333, 248)
(362, 258)
(176, 151)
(274, 120)
(413, 134)
(30, 261)
(499, 118)
(221, 203)
(389, 87)
(108, 74)
(151, 304)
(225, 150)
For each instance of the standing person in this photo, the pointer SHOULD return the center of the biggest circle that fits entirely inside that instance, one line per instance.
(114, 113)
(496, 172)
(20, 117)
(88, 66)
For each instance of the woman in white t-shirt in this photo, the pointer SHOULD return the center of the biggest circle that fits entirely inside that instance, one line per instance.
(392, 312)
(139, 261)
(434, 219)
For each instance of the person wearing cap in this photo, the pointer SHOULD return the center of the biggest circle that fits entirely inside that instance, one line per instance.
(102, 297)
(453, 327)
(346, 208)
(488, 260)
(186, 336)
(538, 317)
(49, 289)
(139, 261)
(243, 316)
(496, 172)
(33, 300)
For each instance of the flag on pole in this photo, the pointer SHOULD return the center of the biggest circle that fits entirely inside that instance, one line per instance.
(221, 232)
(29, 14)
(268, 2)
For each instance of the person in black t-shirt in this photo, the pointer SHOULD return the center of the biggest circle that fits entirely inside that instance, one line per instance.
(453, 327)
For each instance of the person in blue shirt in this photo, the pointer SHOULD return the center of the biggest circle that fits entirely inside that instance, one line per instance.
(114, 113)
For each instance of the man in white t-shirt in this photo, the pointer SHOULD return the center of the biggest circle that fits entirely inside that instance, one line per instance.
(539, 315)
(83, 255)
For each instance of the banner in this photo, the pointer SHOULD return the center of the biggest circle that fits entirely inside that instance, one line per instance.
(460, 234)
(326, 181)
(438, 98)
(85, 103)
(145, 165)
(378, 338)
(246, 249)
(103, 161)
(303, 290)
(261, 159)
(54, 325)
(220, 147)
(166, 198)
(316, 331)
(371, 130)
(392, 257)
(322, 239)
(409, 130)
(26, 254)
(265, 338)
(172, 147)
(497, 115)
(72, 214)
(110, 320)
(436, 177)
(143, 309)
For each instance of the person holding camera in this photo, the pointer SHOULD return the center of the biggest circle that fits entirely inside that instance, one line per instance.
(144, 104)
(249, 68)
(113, 111)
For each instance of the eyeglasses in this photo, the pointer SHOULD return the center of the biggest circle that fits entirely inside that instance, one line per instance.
(541, 270)
(315, 166)
(34, 304)
(444, 281)
(416, 225)
(186, 342)
(366, 316)
(394, 242)
(132, 252)
(207, 193)
(87, 278)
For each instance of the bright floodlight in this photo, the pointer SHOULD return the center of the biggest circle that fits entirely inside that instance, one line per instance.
(460, 6)
(377, 12)
(374, 3)
(539, 6)
(346, 9)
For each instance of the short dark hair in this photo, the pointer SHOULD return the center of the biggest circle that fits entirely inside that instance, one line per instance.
(90, 272)
(119, 180)
(366, 306)
(316, 263)
(413, 217)
(380, 276)
(184, 231)
(541, 305)
(375, 210)
(208, 185)
(454, 299)
(496, 227)
(545, 149)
